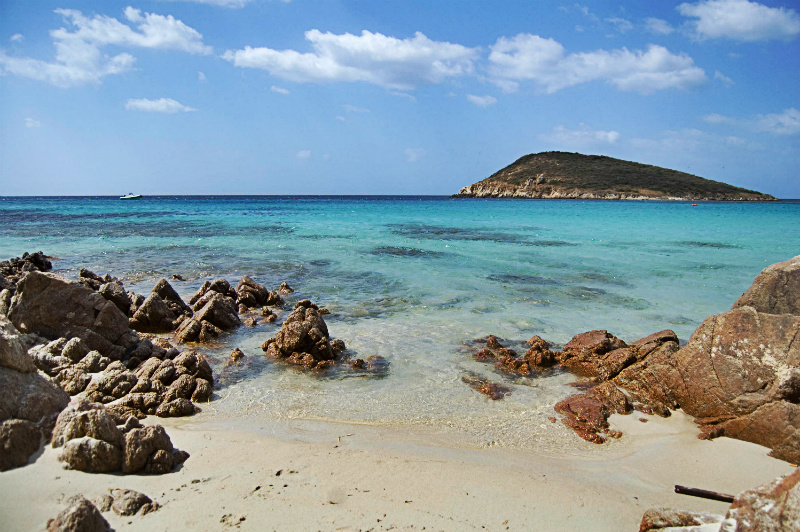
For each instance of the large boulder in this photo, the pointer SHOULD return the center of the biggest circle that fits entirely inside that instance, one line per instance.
(171, 298)
(19, 439)
(80, 515)
(303, 339)
(54, 307)
(153, 316)
(219, 310)
(776, 290)
(13, 350)
(772, 507)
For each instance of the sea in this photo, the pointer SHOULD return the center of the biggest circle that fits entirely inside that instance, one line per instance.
(416, 280)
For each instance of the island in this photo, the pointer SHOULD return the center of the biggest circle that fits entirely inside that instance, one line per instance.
(562, 175)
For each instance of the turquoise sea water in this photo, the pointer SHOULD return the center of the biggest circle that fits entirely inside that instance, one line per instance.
(414, 278)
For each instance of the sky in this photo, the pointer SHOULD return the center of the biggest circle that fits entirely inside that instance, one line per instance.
(388, 96)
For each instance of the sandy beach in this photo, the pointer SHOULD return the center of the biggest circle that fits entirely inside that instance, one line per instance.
(311, 475)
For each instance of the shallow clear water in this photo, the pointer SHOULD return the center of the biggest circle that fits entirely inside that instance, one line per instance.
(414, 278)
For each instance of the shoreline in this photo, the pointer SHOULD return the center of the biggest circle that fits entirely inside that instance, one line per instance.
(337, 476)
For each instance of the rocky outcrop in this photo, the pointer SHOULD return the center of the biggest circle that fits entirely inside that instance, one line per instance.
(12, 270)
(772, 507)
(29, 401)
(776, 290)
(80, 515)
(54, 307)
(93, 442)
(304, 339)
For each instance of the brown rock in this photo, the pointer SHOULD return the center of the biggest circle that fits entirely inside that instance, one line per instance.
(176, 408)
(661, 518)
(130, 502)
(83, 418)
(772, 507)
(149, 450)
(220, 311)
(91, 455)
(153, 316)
(73, 379)
(776, 290)
(115, 293)
(285, 288)
(32, 397)
(171, 298)
(80, 515)
(13, 351)
(19, 439)
(54, 307)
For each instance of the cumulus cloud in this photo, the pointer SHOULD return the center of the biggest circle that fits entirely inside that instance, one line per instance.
(786, 122)
(79, 49)
(279, 90)
(162, 105)
(17, 37)
(414, 154)
(584, 135)
(481, 101)
(740, 20)
(389, 62)
(30, 122)
(546, 63)
(658, 26)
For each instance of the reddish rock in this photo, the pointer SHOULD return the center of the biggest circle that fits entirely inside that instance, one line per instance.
(660, 518)
(772, 507)
(492, 390)
(776, 290)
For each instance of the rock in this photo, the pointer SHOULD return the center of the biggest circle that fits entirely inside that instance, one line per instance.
(54, 307)
(91, 455)
(220, 311)
(74, 350)
(237, 355)
(539, 354)
(194, 364)
(13, 352)
(661, 518)
(113, 383)
(32, 397)
(595, 353)
(149, 450)
(586, 415)
(202, 392)
(93, 362)
(80, 515)
(93, 281)
(83, 418)
(285, 288)
(19, 439)
(250, 293)
(130, 502)
(176, 408)
(492, 390)
(776, 290)
(73, 379)
(171, 298)
(115, 293)
(153, 316)
(772, 507)
(12, 270)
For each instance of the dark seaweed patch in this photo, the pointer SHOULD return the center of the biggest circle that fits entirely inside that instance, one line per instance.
(406, 252)
(713, 245)
(551, 243)
(522, 279)
(436, 232)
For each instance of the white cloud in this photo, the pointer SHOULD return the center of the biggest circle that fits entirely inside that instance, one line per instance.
(728, 82)
(17, 37)
(279, 90)
(353, 109)
(162, 105)
(401, 94)
(340, 118)
(545, 62)
(30, 122)
(201, 77)
(304, 155)
(658, 26)
(414, 154)
(482, 101)
(784, 123)
(740, 20)
(393, 63)
(79, 56)
(621, 24)
(584, 135)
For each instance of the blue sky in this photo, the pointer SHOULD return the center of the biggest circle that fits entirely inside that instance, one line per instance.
(388, 97)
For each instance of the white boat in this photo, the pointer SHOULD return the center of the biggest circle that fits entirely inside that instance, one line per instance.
(131, 195)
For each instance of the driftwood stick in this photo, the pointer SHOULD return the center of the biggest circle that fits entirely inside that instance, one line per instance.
(705, 494)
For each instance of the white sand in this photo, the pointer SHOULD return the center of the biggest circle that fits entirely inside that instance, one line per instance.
(339, 477)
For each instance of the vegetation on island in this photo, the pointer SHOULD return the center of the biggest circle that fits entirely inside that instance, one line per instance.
(574, 175)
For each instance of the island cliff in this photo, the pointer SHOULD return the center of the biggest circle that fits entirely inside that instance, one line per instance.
(552, 175)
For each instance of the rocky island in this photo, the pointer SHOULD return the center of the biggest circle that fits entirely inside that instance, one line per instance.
(561, 175)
